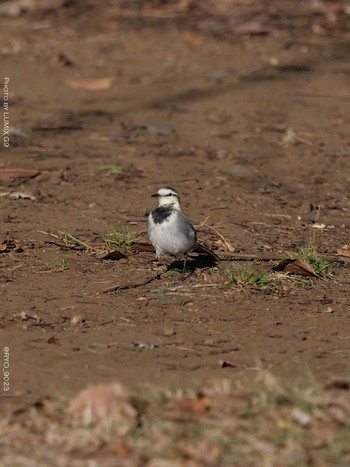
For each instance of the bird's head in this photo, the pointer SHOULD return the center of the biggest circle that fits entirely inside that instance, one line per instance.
(168, 197)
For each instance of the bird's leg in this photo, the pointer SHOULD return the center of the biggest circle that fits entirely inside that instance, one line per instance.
(184, 266)
(184, 275)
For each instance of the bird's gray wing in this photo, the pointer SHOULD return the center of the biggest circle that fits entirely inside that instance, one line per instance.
(185, 228)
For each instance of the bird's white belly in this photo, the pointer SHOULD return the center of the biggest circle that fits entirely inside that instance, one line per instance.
(168, 240)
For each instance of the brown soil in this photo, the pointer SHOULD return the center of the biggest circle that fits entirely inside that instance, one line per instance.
(211, 116)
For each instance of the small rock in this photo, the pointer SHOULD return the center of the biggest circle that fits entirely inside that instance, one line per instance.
(303, 418)
(75, 320)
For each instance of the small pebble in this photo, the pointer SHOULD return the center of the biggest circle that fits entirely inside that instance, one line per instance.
(303, 418)
(75, 320)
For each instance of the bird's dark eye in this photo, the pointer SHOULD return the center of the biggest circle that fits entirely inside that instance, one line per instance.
(169, 194)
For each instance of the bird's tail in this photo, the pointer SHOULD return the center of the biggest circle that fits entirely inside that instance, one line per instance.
(202, 249)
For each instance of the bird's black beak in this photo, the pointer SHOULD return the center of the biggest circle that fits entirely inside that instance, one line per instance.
(155, 195)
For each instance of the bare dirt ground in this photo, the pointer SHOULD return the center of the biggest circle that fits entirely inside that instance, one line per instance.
(251, 126)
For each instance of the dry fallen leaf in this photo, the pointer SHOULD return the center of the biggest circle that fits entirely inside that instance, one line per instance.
(101, 84)
(140, 246)
(100, 402)
(296, 266)
(121, 449)
(200, 405)
(344, 251)
(191, 39)
(18, 173)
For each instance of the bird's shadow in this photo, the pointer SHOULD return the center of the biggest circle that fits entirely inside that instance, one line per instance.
(193, 263)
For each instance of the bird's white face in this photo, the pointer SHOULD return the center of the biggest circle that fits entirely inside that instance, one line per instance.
(168, 197)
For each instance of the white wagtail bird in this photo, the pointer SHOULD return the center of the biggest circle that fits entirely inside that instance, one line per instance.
(170, 230)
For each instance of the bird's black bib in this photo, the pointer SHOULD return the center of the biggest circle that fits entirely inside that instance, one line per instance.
(161, 213)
